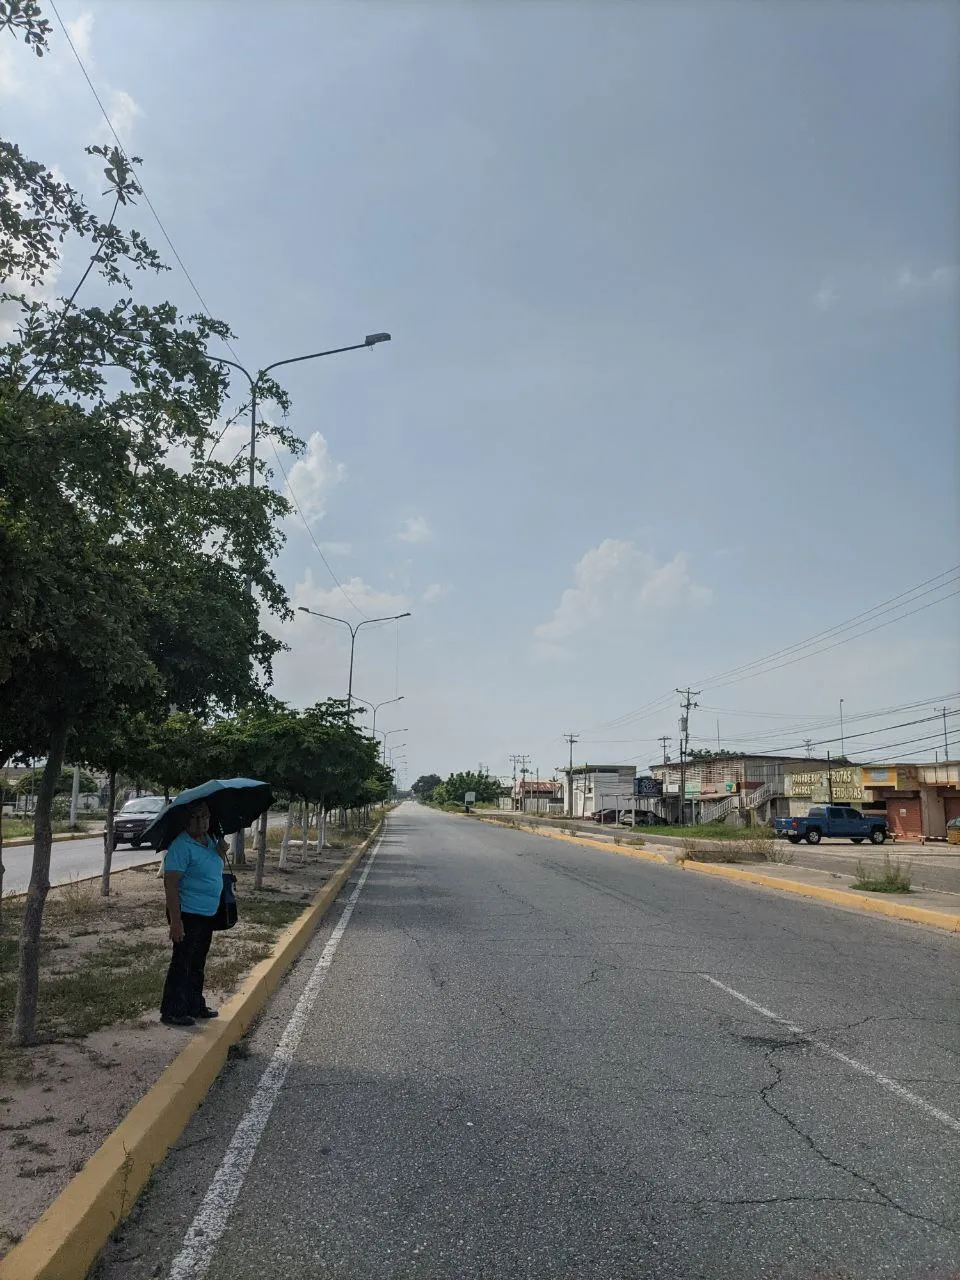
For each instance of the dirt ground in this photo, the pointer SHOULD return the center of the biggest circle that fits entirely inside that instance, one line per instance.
(101, 1041)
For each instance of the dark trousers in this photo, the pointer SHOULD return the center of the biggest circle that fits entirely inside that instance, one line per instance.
(183, 989)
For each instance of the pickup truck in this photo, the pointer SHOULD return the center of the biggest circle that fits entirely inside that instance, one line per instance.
(834, 820)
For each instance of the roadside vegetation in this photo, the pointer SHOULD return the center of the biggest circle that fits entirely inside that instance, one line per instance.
(892, 877)
(124, 532)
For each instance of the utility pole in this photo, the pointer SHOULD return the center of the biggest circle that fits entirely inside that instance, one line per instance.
(571, 738)
(688, 705)
(946, 743)
(718, 737)
(663, 742)
(842, 751)
(520, 762)
(808, 743)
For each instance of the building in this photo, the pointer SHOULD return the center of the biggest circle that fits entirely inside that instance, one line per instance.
(590, 787)
(729, 787)
(919, 799)
(533, 795)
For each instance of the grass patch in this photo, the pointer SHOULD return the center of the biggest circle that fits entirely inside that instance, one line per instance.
(116, 982)
(224, 972)
(892, 877)
(266, 911)
(77, 900)
(693, 853)
(22, 1142)
(710, 831)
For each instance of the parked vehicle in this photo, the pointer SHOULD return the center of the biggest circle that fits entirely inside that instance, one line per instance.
(133, 819)
(833, 821)
(639, 817)
(606, 815)
(953, 831)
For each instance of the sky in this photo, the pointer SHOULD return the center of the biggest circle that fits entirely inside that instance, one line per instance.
(673, 378)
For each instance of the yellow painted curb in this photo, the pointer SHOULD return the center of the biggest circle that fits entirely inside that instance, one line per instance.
(63, 1243)
(645, 854)
(837, 897)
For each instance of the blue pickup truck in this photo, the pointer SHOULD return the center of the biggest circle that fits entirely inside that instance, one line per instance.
(833, 821)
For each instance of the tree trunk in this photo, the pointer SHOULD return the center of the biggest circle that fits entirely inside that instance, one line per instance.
(3, 765)
(239, 853)
(304, 829)
(28, 968)
(261, 851)
(285, 842)
(108, 835)
(322, 833)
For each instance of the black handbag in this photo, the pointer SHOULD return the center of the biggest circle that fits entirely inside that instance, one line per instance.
(226, 916)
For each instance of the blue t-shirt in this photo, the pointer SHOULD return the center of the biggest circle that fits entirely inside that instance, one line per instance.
(201, 873)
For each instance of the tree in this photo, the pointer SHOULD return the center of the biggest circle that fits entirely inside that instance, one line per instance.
(486, 789)
(119, 558)
(425, 785)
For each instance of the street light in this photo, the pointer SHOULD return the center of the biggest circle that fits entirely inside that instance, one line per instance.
(385, 733)
(370, 340)
(376, 707)
(395, 617)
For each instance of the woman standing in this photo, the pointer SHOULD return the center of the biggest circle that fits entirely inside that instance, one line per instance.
(192, 882)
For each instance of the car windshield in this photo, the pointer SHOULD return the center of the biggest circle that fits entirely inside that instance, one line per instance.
(144, 804)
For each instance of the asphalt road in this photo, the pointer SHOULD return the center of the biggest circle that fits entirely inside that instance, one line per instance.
(69, 859)
(528, 1059)
(75, 858)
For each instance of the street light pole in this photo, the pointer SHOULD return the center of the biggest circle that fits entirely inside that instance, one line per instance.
(385, 733)
(353, 629)
(842, 751)
(376, 707)
(371, 340)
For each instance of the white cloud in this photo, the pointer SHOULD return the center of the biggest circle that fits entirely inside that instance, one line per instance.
(415, 529)
(826, 296)
(80, 30)
(938, 280)
(434, 592)
(330, 599)
(123, 111)
(10, 82)
(313, 476)
(619, 581)
(336, 548)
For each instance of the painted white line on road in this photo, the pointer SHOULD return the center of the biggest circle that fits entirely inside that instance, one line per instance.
(211, 1219)
(893, 1086)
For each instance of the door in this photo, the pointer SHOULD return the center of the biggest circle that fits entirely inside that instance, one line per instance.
(951, 806)
(903, 817)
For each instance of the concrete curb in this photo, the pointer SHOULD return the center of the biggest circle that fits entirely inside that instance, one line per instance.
(19, 841)
(63, 1243)
(62, 884)
(880, 905)
(645, 855)
(877, 905)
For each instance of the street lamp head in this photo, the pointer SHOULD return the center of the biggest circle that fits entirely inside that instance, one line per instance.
(372, 339)
(302, 608)
(404, 615)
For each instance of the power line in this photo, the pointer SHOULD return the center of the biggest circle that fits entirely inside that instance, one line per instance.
(762, 666)
(193, 285)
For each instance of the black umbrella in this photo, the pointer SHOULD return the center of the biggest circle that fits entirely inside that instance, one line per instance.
(233, 802)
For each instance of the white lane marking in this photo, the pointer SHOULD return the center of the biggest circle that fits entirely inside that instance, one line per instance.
(885, 1082)
(211, 1219)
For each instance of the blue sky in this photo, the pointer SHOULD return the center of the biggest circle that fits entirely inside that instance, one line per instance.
(673, 293)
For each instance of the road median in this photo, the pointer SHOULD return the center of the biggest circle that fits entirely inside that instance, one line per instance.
(67, 1238)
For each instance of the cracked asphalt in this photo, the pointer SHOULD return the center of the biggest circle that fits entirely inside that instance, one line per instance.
(516, 1068)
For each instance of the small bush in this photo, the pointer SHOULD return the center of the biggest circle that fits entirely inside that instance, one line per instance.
(80, 898)
(893, 877)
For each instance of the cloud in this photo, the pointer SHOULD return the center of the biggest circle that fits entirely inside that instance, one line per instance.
(10, 82)
(939, 280)
(826, 296)
(313, 476)
(337, 548)
(415, 529)
(617, 580)
(436, 591)
(80, 30)
(331, 599)
(122, 110)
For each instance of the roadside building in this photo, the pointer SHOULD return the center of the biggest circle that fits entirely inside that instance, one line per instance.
(588, 788)
(730, 787)
(533, 795)
(919, 799)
